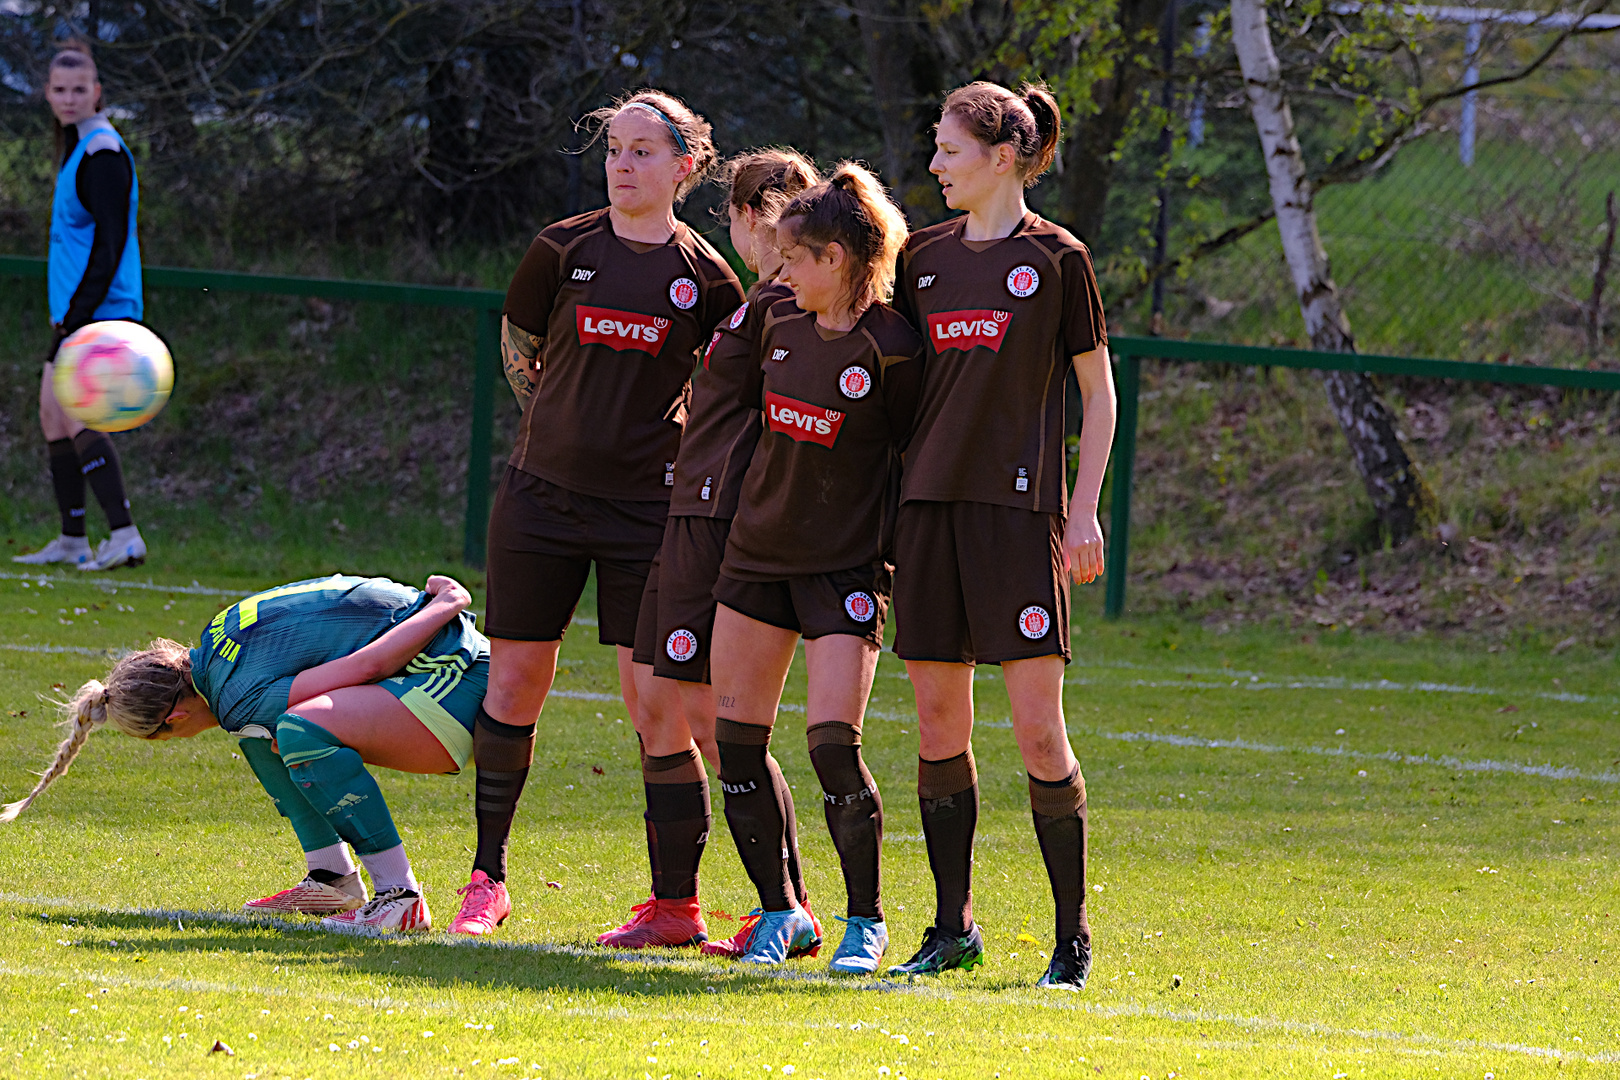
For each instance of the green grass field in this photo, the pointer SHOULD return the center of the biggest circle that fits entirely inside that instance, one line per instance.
(1361, 858)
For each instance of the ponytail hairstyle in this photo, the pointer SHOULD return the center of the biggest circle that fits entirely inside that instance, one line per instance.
(137, 698)
(759, 178)
(851, 209)
(1029, 120)
(689, 134)
(73, 54)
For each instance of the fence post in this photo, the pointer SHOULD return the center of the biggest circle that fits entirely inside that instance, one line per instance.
(483, 432)
(1119, 527)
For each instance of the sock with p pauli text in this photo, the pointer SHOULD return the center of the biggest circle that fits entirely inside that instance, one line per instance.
(949, 793)
(757, 807)
(98, 462)
(678, 821)
(68, 483)
(854, 812)
(1059, 807)
(502, 754)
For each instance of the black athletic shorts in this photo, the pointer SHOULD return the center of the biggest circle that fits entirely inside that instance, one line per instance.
(978, 583)
(854, 602)
(676, 622)
(542, 542)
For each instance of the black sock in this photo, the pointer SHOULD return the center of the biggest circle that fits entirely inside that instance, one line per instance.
(69, 484)
(678, 820)
(790, 833)
(1059, 807)
(949, 791)
(854, 811)
(755, 809)
(502, 753)
(98, 462)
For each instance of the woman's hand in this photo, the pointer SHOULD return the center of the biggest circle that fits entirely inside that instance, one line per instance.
(447, 591)
(1083, 545)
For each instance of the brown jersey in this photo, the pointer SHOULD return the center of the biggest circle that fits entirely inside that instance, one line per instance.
(621, 331)
(1003, 320)
(821, 492)
(721, 427)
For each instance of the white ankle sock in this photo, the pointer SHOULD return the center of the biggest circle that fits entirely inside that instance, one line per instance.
(333, 857)
(390, 870)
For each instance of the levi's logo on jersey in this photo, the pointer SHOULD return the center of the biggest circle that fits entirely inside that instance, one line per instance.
(584, 275)
(801, 421)
(969, 329)
(620, 330)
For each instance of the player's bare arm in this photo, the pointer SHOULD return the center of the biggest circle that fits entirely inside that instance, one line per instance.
(520, 359)
(391, 651)
(1082, 536)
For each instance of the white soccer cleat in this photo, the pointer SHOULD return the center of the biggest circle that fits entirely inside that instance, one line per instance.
(68, 549)
(314, 896)
(123, 548)
(397, 911)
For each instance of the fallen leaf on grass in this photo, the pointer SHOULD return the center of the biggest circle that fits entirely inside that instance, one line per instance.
(553, 884)
(1508, 708)
(221, 1048)
(717, 913)
(597, 769)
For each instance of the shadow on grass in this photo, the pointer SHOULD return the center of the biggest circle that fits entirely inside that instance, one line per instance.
(134, 939)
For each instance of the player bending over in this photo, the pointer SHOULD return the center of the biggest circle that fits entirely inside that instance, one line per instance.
(838, 375)
(317, 679)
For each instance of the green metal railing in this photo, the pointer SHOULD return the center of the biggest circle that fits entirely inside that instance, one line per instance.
(485, 303)
(1129, 352)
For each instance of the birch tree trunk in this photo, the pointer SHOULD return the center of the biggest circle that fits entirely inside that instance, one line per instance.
(1399, 494)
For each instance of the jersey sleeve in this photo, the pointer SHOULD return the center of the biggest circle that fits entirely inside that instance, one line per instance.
(1084, 325)
(751, 387)
(533, 290)
(902, 389)
(722, 295)
(905, 297)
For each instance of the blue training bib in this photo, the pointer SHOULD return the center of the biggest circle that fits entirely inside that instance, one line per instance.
(73, 231)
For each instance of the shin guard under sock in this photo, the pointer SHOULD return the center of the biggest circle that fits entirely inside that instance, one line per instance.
(502, 754)
(854, 811)
(314, 832)
(1059, 807)
(755, 809)
(68, 482)
(678, 820)
(335, 781)
(949, 792)
(98, 462)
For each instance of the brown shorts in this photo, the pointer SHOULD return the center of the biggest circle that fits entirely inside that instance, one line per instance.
(542, 542)
(978, 583)
(677, 607)
(853, 602)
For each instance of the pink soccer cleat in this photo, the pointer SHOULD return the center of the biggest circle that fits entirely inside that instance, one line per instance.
(484, 906)
(660, 922)
(321, 893)
(397, 911)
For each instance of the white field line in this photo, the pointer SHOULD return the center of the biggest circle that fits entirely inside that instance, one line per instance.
(1549, 771)
(923, 990)
(76, 650)
(50, 581)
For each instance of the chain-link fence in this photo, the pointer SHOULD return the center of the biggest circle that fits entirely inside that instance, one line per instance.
(1434, 256)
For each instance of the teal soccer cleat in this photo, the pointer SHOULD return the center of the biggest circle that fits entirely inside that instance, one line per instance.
(865, 942)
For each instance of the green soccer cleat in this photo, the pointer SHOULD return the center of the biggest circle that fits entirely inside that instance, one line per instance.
(943, 951)
(1070, 966)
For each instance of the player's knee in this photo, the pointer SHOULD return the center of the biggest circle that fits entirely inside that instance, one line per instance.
(301, 742)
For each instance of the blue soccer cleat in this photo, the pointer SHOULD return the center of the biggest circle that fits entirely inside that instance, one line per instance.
(865, 942)
(780, 934)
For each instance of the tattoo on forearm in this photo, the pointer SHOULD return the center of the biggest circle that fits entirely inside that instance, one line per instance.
(520, 352)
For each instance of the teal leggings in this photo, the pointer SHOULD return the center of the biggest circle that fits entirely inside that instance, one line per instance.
(333, 783)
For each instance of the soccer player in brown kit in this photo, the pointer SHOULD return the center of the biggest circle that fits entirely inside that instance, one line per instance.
(676, 623)
(986, 542)
(807, 554)
(602, 324)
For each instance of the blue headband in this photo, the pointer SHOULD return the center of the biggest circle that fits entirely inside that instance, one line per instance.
(673, 130)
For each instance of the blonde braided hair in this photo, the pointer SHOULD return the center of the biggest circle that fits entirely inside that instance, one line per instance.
(136, 699)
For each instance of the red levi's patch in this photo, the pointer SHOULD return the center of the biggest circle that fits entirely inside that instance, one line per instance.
(801, 421)
(620, 330)
(966, 330)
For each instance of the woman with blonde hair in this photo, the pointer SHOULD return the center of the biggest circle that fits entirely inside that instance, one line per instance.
(316, 679)
(837, 374)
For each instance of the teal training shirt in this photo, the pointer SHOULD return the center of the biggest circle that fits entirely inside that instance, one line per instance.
(251, 651)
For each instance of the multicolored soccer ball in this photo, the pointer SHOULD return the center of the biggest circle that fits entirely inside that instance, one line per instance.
(113, 376)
